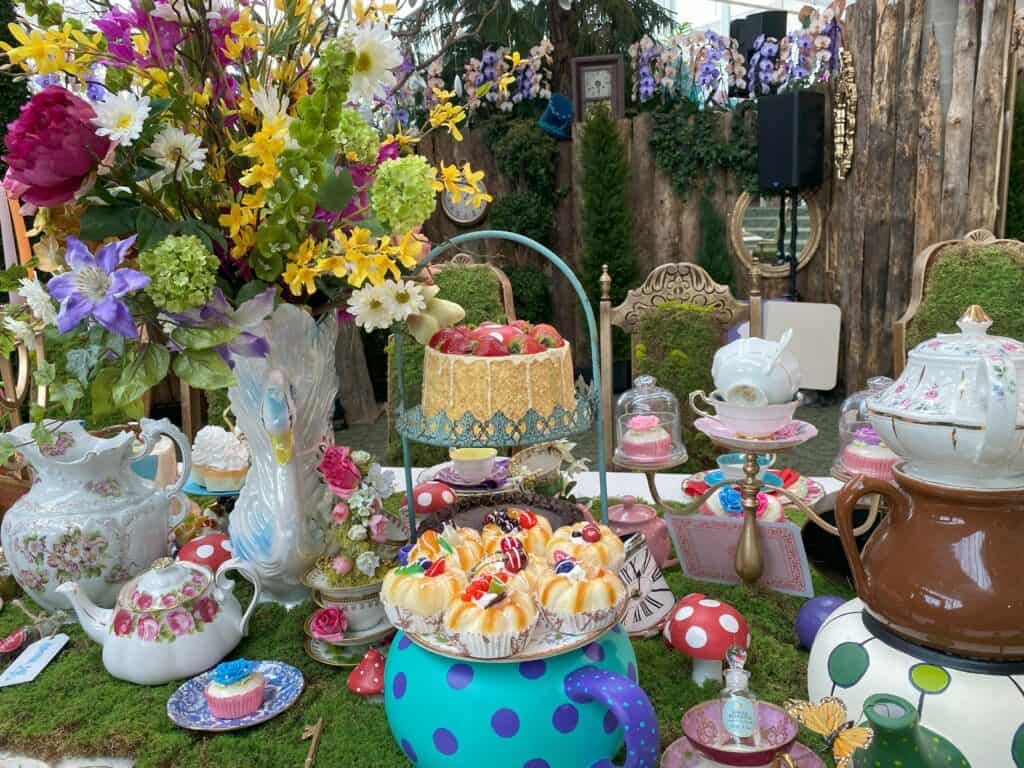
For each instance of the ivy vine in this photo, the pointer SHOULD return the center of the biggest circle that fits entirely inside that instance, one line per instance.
(690, 145)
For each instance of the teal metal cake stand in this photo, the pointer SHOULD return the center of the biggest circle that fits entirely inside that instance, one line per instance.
(499, 431)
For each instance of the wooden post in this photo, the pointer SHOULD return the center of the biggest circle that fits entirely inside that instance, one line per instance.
(959, 124)
(605, 332)
(928, 200)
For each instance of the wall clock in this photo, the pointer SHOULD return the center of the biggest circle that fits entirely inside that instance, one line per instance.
(598, 80)
(463, 213)
(651, 598)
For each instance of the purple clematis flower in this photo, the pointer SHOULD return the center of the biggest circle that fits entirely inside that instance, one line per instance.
(95, 287)
(248, 318)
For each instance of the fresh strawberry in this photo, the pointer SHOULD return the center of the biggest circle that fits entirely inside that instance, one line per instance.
(486, 332)
(487, 323)
(523, 325)
(547, 335)
(439, 338)
(517, 343)
(456, 343)
(488, 347)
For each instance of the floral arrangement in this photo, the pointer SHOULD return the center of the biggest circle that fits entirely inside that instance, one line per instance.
(502, 79)
(192, 163)
(359, 550)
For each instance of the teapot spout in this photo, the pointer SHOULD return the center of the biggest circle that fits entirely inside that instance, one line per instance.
(94, 620)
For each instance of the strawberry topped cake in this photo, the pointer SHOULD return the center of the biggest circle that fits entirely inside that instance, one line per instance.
(508, 368)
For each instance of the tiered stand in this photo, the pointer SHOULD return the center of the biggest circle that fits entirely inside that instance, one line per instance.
(499, 431)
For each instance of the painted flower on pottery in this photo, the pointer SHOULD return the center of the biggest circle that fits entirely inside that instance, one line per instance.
(206, 609)
(147, 628)
(180, 622)
(142, 600)
(122, 623)
(329, 624)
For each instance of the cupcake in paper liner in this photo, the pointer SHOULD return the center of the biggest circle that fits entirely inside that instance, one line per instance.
(416, 595)
(578, 599)
(489, 621)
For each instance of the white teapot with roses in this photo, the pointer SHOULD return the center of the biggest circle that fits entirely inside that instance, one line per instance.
(173, 621)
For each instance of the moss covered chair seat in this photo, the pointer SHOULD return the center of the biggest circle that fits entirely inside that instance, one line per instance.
(675, 320)
(950, 276)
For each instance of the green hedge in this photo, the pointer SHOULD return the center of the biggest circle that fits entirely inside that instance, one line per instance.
(532, 291)
(13, 92)
(1015, 188)
(971, 274)
(478, 290)
(676, 344)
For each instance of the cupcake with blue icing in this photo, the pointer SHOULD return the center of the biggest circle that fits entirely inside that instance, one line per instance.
(235, 689)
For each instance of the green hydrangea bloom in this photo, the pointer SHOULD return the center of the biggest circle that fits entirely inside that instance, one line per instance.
(403, 194)
(182, 272)
(355, 135)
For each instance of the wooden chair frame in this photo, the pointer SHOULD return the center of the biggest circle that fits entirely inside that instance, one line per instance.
(922, 263)
(680, 282)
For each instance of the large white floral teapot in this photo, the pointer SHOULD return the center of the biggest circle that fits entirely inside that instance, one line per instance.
(89, 518)
(954, 413)
(174, 621)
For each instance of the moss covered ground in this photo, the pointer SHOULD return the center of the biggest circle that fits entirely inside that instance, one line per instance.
(75, 708)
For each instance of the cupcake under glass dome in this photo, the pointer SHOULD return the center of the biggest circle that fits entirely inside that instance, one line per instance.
(647, 427)
(861, 450)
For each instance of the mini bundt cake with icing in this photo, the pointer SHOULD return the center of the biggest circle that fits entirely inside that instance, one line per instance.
(577, 598)
(591, 543)
(530, 528)
(489, 620)
(416, 595)
(462, 545)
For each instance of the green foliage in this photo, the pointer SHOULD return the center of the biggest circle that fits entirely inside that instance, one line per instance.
(689, 144)
(478, 291)
(713, 252)
(532, 292)
(525, 213)
(607, 224)
(101, 715)
(1015, 188)
(971, 274)
(13, 92)
(216, 404)
(182, 272)
(676, 344)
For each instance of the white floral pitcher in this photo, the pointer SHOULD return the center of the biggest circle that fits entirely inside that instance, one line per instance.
(88, 517)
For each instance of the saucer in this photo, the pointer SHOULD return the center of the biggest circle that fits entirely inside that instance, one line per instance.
(192, 488)
(796, 433)
(187, 706)
(374, 634)
(433, 474)
(682, 754)
(496, 479)
(715, 476)
(336, 655)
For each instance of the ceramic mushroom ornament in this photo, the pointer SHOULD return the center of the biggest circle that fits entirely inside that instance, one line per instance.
(703, 629)
(210, 549)
(367, 679)
(432, 497)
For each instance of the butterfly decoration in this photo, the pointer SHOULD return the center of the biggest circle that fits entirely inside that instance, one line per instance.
(828, 718)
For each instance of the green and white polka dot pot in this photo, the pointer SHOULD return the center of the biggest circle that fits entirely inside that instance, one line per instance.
(573, 710)
(975, 710)
(900, 740)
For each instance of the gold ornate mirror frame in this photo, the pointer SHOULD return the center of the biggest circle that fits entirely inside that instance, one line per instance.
(768, 268)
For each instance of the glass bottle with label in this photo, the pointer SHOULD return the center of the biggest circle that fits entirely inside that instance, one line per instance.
(739, 705)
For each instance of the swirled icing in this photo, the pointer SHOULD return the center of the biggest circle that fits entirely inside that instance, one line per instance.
(218, 448)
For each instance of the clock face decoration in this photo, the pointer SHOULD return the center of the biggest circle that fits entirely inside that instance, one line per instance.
(597, 84)
(651, 598)
(463, 212)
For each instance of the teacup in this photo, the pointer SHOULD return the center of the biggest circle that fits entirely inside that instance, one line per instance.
(756, 371)
(473, 465)
(759, 421)
(731, 465)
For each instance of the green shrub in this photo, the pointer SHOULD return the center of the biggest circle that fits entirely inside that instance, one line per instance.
(971, 274)
(13, 92)
(676, 344)
(532, 292)
(713, 252)
(478, 290)
(216, 404)
(1015, 188)
(525, 213)
(524, 153)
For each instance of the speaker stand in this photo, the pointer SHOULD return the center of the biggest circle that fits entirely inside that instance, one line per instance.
(780, 248)
(793, 294)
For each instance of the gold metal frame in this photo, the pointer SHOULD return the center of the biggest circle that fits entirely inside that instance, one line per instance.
(739, 210)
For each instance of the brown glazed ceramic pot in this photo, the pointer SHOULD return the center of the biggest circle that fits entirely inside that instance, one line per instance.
(944, 569)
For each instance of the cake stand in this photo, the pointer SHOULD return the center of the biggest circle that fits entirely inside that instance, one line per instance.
(749, 557)
(651, 470)
(499, 430)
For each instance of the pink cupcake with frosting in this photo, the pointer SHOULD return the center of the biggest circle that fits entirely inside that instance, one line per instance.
(868, 455)
(645, 439)
(236, 689)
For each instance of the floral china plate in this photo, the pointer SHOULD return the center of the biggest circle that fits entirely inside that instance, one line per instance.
(187, 706)
(796, 433)
(682, 754)
(374, 634)
(192, 488)
(809, 490)
(336, 655)
(499, 482)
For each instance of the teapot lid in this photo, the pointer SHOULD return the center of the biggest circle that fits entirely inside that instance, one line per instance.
(167, 584)
(631, 511)
(972, 342)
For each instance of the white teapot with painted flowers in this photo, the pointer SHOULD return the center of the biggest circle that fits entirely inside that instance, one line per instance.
(174, 621)
(955, 412)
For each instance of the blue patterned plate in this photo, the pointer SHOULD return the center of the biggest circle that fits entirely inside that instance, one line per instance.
(187, 706)
(192, 488)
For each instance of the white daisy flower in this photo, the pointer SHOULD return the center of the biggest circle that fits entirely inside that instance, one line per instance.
(377, 53)
(121, 116)
(38, 300)
(176, 152)
(371, 305)
(270, 102)
(405, 298)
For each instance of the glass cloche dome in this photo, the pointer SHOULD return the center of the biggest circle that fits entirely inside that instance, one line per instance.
(647, 427)
(861, 450)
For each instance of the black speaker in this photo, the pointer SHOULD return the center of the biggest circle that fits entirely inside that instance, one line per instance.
(768, 23)
(791, 140)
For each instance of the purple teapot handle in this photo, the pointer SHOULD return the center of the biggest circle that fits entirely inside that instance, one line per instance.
(628, 703)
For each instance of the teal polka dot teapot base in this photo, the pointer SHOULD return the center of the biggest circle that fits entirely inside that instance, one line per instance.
(573, 710)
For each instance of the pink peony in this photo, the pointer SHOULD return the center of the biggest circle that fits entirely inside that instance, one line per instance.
(378, 526)
(122, 623)
(180, 622)
(340, 472)
(329, 624)
(206, 609)
(147, 628)
(340, 512)
(52, 147)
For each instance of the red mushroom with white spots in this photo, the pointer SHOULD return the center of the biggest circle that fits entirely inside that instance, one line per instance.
(367, 679)
(432, 497)
(703, 629)
(211, 550)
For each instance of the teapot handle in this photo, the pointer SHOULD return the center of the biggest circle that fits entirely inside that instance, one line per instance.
(846, 502)
(997, 382)
(627, 702)
(247, 571)
(152, 430)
